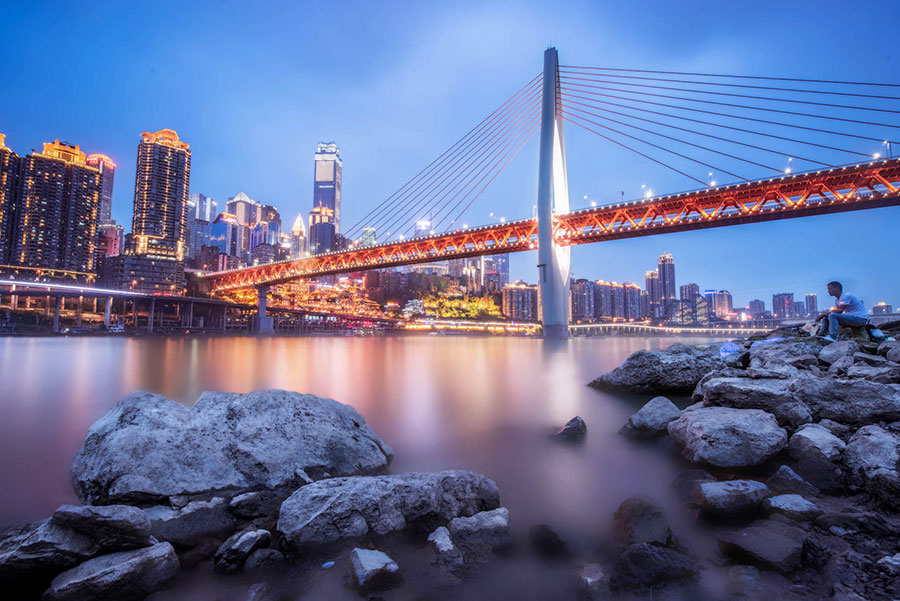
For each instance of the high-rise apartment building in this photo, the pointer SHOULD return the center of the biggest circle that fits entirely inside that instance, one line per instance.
(812, 305)
(632, 300)
(521, 302)
(756, 308)
(322, 231)
(723, 304)
(666, 268)
(56, 209)
(107, 169)
(581, 299)
(603, 299)
(327, 183)
(9, 177)
(783, 305)
(654, 293)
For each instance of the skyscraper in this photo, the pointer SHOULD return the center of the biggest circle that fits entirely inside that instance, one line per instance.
(603, 299)
(723, 304)
(327, 182)
(666, 268)
(298, 238)
(654, 293)
(581, 299)
(322, 231)
(632, 293)
(812, 305)
(520, 301)
(56, 212)
(202, 207)
(783, 305)
(756, 308)
(9, 172)
(107, 169)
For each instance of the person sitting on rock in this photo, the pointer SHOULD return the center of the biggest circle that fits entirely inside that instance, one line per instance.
(847, 311)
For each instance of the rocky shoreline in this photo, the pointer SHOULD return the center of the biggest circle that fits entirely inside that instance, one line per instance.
(790, 451)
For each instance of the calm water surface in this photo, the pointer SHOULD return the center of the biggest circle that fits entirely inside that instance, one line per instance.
(442, 402)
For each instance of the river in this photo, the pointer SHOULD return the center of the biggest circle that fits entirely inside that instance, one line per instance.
(442, 402)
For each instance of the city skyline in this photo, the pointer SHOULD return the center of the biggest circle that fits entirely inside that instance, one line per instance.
(772, 256)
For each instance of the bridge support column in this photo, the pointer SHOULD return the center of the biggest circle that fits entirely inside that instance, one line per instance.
(79, 312)
(150, 315)
(263, 322)
(553, 197)
(108, 311)
(14, 299)
(58, 307)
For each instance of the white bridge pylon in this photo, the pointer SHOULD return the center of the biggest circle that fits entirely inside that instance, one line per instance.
(553, 198)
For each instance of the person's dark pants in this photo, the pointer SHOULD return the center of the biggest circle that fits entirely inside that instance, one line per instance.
(834, 321)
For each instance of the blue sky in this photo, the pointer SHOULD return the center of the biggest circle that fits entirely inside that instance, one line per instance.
(252, 88)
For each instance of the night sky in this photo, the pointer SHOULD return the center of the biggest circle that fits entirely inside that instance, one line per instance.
(253, 87)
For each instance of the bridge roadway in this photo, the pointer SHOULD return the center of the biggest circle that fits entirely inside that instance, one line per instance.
(639, 328)
(849, 188)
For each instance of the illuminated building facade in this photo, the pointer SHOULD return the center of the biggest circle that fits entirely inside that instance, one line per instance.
(322, 230)
(812, 304)
(298, 238)
(666, 269)
(107, 169)
(783, 305)
(201, 206)
(654, 293)
(756, 308)
(227, 234)
(632, 300)
(9, 176)
(56, 209)
(581, 300)
(882, 309)
(327, 184)
(723, 304)
(520, 302)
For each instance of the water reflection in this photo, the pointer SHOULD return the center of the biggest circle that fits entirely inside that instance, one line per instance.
(480, 403)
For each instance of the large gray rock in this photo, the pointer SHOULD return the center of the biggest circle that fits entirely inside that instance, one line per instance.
(884, 374)
(766, 353)
(652, 419)
(793, 506)
(574, 430)
(640, 520)
(113, 527)
(446, 552)
(676, 369)
(727, 437)
(785, 480)
(644, 566)
(767, 543)
(194, 523)
(373, 569)
(263, 558)
(124, 576)
(148, 448)
(230, 557)
(849, 401)
(873, 461)
(484, 531)
(729, 498)
(838, 350)
(40, 549)
(330, 511)
(818, 455)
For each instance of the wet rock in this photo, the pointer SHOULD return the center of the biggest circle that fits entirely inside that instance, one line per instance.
(687, 482)
(838, 350)
(263, 558)
(743, 581)
(641, 520)
(260, 503)
(730, 498)
(124, 576)
(872, 459)
(872, 360)
(652, 419)
(148, 448)
(885, 374)
(793, 506)
(785, 480)
(840, 366)
(546, 542)
(40, 550)
(727, 437)
(885, 347)
(644, 565)
(768, 544)
(676, 369)
(839, 430)
(329, 511)
(766, 353)
(192, 524)
(848, 401)
(818, 455)
(889, 564)
(230, 557)
(373, 570)
(113, 527)
(447, 553)
(767, 394)
(486, 530)
(740, 359)
(574, 431)
(793, 414)
(199, 552)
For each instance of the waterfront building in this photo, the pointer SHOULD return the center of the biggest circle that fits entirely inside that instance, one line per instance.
(9, 177)
(882, 309)
(107, 169)
(756, 308)
(666, 269)
(581, 299)
(322, 232)
(202, 207)
(520, 301)
(618, 301)
(298, 238)
(783, 305)
(56, 209)
(155, 250)
(603, 299)
(368, 238)
(812, 305)
(654, 292)
(799, 309)
(689, 292)
(632, 300)
(327, 184)
(723, 304)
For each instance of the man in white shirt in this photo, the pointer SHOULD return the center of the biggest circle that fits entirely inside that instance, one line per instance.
(847, 311)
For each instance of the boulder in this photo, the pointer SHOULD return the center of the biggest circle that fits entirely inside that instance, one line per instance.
(676, 369)
(446, 552)
(887, 346)
(766, 543)
(849, 401)
(818, 455)
(838, 350)
(330, 511)
(793, 506)
(872, 360)
(884, 374)
(373, 570)
(768, 352)
(259, 503)
(148, 448)
(743, 582)
(574, 431)
(872, 459)
(652, 419)
(839, 430)
(730, 498)
(727, 437)
(230, 557)
(785, 480)
(40, 550)
(263, 558)
(546, 542)
(113, 527)
(484, 531)
(687, 482)
(641, 520)
(643, 566)
(747, 393)
(194, 523)
(893, 355)
(840, 366)
(124, 576)
(889, 564)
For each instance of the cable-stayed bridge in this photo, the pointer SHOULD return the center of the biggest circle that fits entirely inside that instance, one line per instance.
(835, 156)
